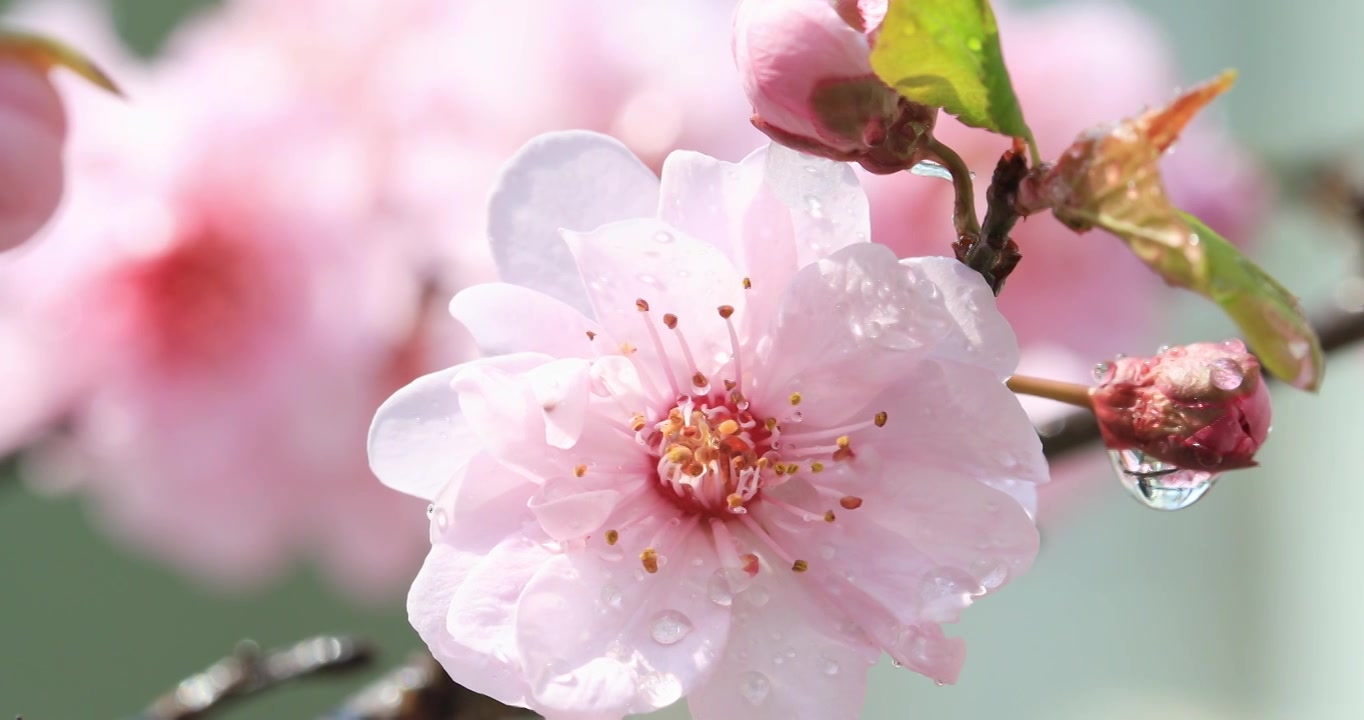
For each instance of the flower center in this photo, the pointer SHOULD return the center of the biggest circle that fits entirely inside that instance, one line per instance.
(711, 457)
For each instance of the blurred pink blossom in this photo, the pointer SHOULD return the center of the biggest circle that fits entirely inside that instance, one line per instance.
(32, 137)
(247, 264)
(719, 405)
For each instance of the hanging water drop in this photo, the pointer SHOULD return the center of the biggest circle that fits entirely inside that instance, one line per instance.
(928, 168)
(754, 686)
(1226, 374)
(669, 627)
(1159, 485)
(1104, 372)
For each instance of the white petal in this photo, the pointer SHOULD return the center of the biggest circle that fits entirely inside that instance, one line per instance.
(419, 439)
(571, 180)
(980, 335)
(506, 318)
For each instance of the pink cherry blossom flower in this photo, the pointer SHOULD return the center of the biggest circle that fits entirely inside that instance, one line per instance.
(1202, 406)
(32, 137)
(730, 450)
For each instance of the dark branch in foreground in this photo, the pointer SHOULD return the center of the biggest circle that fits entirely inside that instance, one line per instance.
(1078, 429)
(247, 671)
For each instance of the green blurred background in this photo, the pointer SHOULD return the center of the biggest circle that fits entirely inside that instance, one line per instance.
(1240, 607)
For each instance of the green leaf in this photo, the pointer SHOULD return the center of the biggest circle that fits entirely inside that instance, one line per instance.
(45, 53)
(945, 53)
(1269, 315)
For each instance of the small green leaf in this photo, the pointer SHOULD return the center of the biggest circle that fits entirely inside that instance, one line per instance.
(1269, 315)
(945, 53)
(44, 53)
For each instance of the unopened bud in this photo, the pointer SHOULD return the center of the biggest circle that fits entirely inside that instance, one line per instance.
(805, 65)
(1202, 406)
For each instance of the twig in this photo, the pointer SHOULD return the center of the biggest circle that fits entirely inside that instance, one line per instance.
(247, 671)
(420, 690)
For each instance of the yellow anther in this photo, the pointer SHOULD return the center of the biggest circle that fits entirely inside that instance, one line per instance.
(829, 516)
(800, 566)
(779, 470)
(649, 558)
(795, 398)
(637, 422)
(792, 468)
(816, 467)
(850, 502)
(580, 471)
(881, 418)
(748, 284)
(727, 428)
(612, 537)
(735, 501)
(770, 424)
(626, 348)
(843, 442)
(679, 454)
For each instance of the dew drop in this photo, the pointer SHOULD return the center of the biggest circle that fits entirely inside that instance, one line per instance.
(610, 596)
(718, 590)
(1104, 372)
(796, 417)
(442, 519)
(928, 168)
(1299, 349)
(758, 596)
(829, 666)
(649, 280)
(1226, 374)
(663, 237)
(669, 627)
(827, 551)
(1162, 349)
(814, 207)
(430, 511)
(1158, 485)
(754, 686)
(974, 44)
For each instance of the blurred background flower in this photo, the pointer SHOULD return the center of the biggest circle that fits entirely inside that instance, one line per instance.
(278, 214)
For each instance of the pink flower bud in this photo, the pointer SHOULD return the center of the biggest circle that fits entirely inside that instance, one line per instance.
(805, 66)
(32, 135)
(1201, 406)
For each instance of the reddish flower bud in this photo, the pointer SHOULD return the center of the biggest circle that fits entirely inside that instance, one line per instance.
(1202, 406)
(805, 65)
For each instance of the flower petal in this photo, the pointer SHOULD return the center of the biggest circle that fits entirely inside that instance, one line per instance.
(961, 418)
(848, 326)
(506, 318)
(419, 439)
(601, 636)
(829, 209)
(980, 334)
(482, 609)
(674, 273)
(565, 180)
(560, 388)
(567, 509)
(428, 607)
(790, 656)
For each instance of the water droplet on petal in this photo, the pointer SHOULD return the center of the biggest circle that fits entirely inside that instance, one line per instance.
(827, 551)
(430, 510)
(718, 590)
(442, 519)
(758, 596)
(754, 686)
(1162, 349)
(669, 627)
(1104, 372)
(1159, 485)
(829, 666)
(1226, 374)
(663, 237)
(649, 280)
(814, 207)
(610, 596)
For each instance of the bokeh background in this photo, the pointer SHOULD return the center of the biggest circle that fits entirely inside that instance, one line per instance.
(1244, 606)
